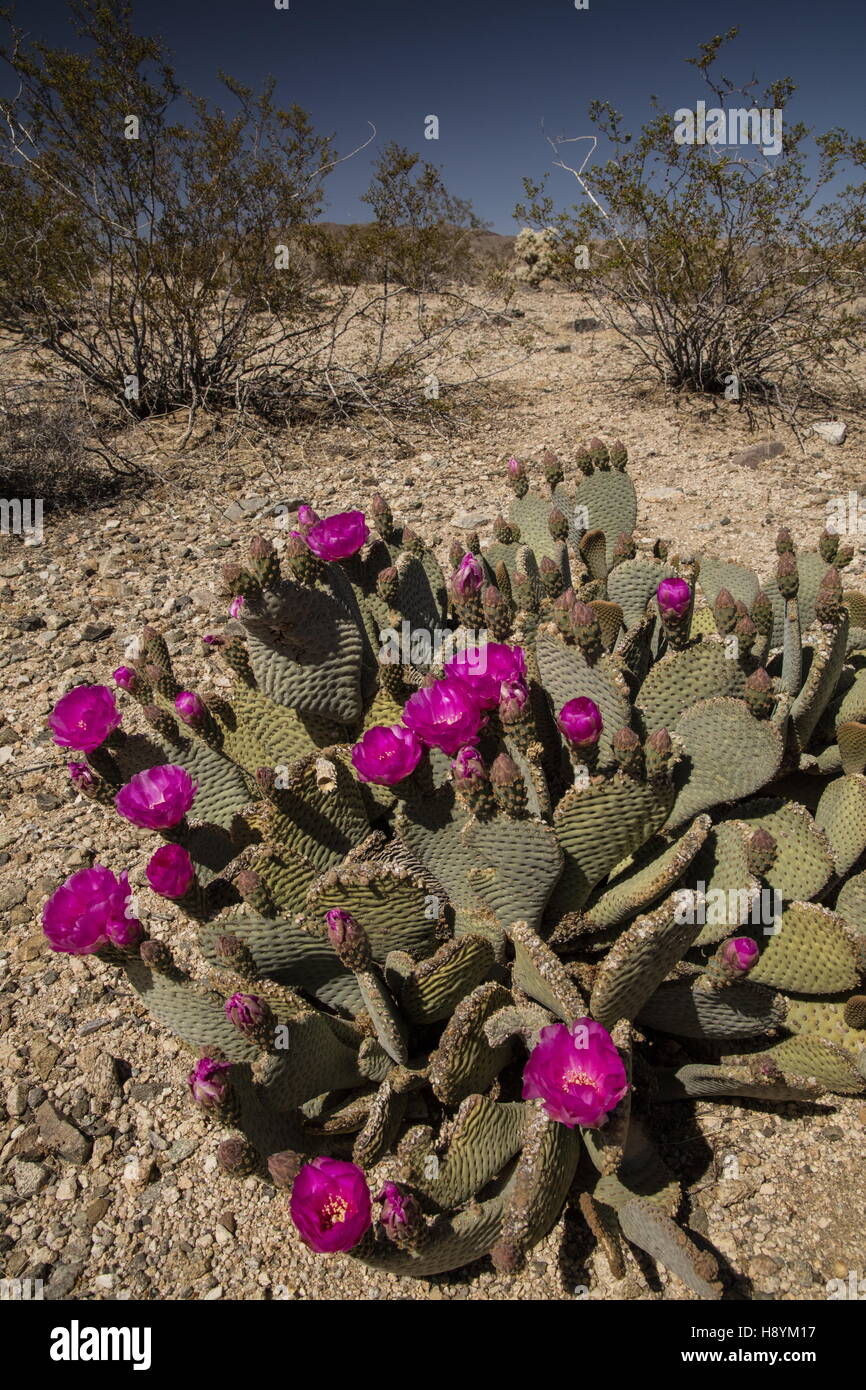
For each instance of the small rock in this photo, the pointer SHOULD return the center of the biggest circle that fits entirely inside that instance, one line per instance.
(586, 325)
(562, 347)
(16, 1098)
(67, 1189)
(95, 1210)
(469, 521)
(139, 1172)
(96, 632)
(61, 1135)
(663, 494)
(831, 431)
(763, 1267)
(758, 453)
(29, 1177)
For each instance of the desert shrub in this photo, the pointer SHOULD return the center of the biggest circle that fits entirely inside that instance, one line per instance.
(729, 270)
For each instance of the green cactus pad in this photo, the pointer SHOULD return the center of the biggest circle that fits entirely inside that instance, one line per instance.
(652, 872)
(740, 582)
(516, 864)
(813, 953)
(682, 678)
(638, 962)
(432, 989)
(538, 972)
(851, 903)
(740, 1010)
(804, 861)
(611, 505)
(600, 826)
(464, 1061)
(841, 815)
(729, 755)
(816, 1060)
(633, 583)
(653, 1231)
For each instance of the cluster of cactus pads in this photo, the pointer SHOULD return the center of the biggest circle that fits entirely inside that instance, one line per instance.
(392, 948)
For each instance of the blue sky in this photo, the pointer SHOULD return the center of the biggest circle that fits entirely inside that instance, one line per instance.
(494, 71)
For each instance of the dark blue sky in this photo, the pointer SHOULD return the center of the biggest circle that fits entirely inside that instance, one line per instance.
(494, 70)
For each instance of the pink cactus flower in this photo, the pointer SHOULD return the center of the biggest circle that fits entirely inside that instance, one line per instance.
(484, 669)
(330, 1205)
(157, 798)
(580, 721)
(513, 699)
(84, 718)
(577, 1072)
(124, 677)
(674, 597)
(338, 536)
(80, 775)
(236, 605)
(88, 911)
(170, 871)
(386, 754)
(445, 715)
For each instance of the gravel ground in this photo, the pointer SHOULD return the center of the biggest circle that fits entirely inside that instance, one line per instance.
(108, 1182)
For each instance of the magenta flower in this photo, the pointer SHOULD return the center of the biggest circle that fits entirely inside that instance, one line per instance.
(515, 468)
(740, 953)
(209, 1083)
(674, 597)
(338, 536)
(577, 1072)
(211, 640)
(84, 718)
(124, 677)
(89, 910)
(580, 721)
(445, 715)
(190, 707)
(236, 605)
(330, 1205)
(80, 775)
(467, 578)
(513, 699)
(157, 798)
(484, 669)
(307, 517)
(246, 1011)
(170, 871)
(386, 754)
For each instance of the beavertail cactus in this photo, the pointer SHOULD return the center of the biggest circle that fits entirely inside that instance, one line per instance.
(460, 849)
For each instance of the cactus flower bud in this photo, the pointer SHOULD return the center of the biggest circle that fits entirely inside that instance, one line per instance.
(761, 852)
(552, 469)
(762, 614)
(674, 598)
(237, 1157)
(125, 677)
(236, 606)
(513, 700)
(659, 754)
(468, 769)
(81, 776)
(583, 459)
(400, 1216)
(740, 953)
(759, 694)
(787, 575)
(284, 1167)
(784, 542)
(828, 544)
(618, 455)
(170, 871)
(468, 577)
(580, 722)
(251, 1015)
(348, 939)
(725, 611)
(557, 525)
(383, 519)
(209, 1083)
(508, 786)
(551, 577)
(829, 605)
(517, 478)
(628, 752)
(190, 707)
(388, 585)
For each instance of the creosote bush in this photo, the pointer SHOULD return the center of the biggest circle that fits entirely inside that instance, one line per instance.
(471, 927)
